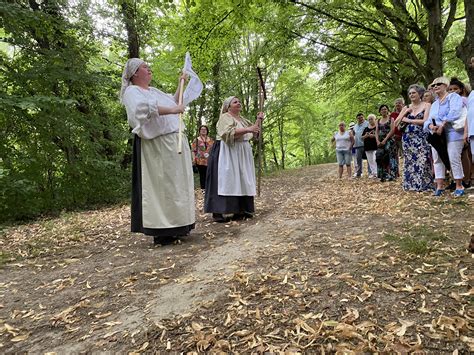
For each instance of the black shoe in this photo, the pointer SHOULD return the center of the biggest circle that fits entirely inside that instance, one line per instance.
(163, 240)
(466, 185)
(219, 218)
(241, 216)
(451, 186)
(238, 217)
(248, 215)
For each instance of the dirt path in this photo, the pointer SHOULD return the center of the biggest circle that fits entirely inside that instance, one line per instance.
(324, 265)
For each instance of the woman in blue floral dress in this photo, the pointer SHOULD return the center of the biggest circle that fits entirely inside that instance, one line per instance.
(386, 155)
(418, 172)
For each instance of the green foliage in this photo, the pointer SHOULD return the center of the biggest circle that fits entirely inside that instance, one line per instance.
(62, 135)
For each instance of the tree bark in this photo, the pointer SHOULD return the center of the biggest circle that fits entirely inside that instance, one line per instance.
(434, 47)
(133, 45)
(129, 14)
(465, 50)
(216, 97)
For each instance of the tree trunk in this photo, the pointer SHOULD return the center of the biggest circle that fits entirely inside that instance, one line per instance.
(216, 97)
(465, 50)
(129, 13)
(129, 18)
(275, 159)
(434, 47)
(282, 144)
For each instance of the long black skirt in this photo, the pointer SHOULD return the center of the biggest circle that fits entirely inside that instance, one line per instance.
(136, 208)
(214, 203)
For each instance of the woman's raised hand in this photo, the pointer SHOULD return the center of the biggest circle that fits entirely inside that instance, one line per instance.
(184, 77)
(254, 129)
(179, 108)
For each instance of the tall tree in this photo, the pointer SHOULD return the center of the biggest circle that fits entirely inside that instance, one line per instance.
(465, 50)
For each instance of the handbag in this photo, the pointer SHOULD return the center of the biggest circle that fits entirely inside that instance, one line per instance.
(458, 125)
(438, 142)
(402, 126)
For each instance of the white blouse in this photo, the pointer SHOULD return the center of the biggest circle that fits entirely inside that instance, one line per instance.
(142, 112)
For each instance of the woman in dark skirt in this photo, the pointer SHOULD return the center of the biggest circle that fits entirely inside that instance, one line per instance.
(162, 181)
(230, 181)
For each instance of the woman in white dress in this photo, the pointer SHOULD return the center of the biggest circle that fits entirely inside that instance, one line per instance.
(230, 181)
(162, 179)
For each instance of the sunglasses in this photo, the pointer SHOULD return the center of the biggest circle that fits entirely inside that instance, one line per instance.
(436, 85)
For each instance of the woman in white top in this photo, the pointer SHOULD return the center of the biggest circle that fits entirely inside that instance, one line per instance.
(344, 142)
(445, 110)
(230, 181)
(162, 179)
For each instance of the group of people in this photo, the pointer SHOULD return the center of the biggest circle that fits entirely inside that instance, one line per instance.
(162, 175)
(434, 134)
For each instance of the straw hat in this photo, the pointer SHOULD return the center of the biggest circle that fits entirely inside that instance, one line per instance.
(440, 80)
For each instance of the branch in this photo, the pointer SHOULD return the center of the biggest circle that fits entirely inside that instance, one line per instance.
(342, 51)
(451, 17)
(411, 24)
(348, 23)
(213, 27)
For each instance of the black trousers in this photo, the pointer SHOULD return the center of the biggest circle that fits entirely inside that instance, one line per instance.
(202, 169)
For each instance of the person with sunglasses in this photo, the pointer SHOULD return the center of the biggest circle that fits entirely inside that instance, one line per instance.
(444, 111)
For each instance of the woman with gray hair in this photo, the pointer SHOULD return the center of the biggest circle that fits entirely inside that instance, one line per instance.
(230, 181)
(417, 174)
(162, 179)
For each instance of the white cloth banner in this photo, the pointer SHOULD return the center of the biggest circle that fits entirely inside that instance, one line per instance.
(194, 88)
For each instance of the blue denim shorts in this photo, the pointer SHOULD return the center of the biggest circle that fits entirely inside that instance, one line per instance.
(344, 157)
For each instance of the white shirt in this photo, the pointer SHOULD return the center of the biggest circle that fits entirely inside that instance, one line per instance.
(142, 112)
(343, 141)
(470, 114)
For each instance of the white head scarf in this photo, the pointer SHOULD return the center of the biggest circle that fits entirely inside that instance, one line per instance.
(130, 68)
(226, 104)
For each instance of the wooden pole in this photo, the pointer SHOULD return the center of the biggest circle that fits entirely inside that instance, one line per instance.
(261, 103)
(180, 102)
(260, 135)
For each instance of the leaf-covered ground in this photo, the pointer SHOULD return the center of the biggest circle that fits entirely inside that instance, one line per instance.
(326, 265)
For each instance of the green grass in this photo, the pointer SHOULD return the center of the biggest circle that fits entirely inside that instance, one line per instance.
(416, 240)
(5, 258)
(38, 247)
(461, 203)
